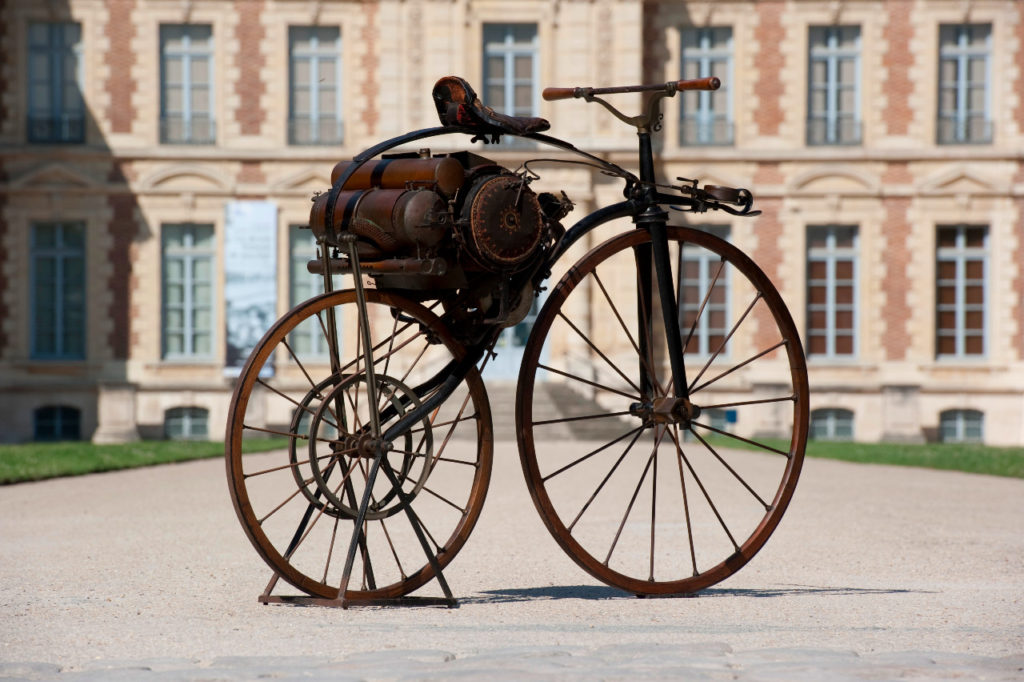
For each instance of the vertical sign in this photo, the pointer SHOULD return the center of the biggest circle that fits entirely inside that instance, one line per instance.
(250, 278)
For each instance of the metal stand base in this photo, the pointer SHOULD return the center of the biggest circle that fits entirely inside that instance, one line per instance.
(340, 602)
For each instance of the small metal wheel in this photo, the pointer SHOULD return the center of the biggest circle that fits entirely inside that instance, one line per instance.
(656, 493)
(298, 504)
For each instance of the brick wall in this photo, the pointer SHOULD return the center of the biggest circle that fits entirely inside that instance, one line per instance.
(896, 257)
(897, 62)
(771, 35)
(250, 35)
(120, 31)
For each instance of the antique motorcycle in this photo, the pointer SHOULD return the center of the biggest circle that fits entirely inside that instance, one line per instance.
(693, 367)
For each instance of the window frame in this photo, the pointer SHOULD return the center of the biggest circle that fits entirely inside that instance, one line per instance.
(62, 254)
(508, 50)
(190, 416)
(832, 255)
(962, 53)
(959, 418)
(54, 52)
(832, 54)
(833, 418)
(188, 114)
(190, 255)
(67, 421)
(315, 55)
(961, 254)
(705, 56)
(703, 333)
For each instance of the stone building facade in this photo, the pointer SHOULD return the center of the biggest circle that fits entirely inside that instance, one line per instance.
(882, 139)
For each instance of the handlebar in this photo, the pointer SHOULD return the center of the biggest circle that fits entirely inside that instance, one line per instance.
(672, 87)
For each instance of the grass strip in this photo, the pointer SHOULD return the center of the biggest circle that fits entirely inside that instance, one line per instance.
(39, 461)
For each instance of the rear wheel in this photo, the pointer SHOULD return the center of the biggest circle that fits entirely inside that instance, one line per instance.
(678, 492)
(298, 505)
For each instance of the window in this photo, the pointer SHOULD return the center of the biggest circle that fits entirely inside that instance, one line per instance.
(314, 71)
(56, 112)
(57, 254)
(707, 116)
(56, 422)
(186, 84)
(703, 298)
(831, 424)
(511, 70)
(965, 114)
(308, 338)
(186, 423)
(961, 426)
(188, 253)
(961, 263)
(832, 291)
(833, 97)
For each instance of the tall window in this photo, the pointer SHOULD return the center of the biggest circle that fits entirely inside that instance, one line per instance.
(57, 254)
(314, 69)
(703, 297)
(56, 112)
(831, 424)
(186, 423)
(832, 290)
(308, 338)
(186, 84)
(961, 426)
(511, 69)
(56, 422)
(833, 97)
(965, 113)
(707, 116)
(961, 264)
(188, 255)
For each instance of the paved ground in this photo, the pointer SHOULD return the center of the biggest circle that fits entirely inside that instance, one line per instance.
(875, 573)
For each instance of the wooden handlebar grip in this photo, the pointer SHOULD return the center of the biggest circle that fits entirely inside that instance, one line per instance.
(709, 83)
(551, 94)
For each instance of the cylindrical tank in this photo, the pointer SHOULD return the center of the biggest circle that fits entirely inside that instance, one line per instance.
(391, 219)
(441, 172)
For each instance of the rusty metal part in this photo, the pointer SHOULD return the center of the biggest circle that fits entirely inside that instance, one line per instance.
(505, 225)
(441, 172)
(390, 219)
(421, 266)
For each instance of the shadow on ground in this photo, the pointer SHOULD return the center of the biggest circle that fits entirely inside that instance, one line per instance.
(601, 592)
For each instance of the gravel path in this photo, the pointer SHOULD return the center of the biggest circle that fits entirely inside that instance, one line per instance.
(875, 573)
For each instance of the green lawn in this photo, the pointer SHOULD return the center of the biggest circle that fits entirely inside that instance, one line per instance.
(37, 461)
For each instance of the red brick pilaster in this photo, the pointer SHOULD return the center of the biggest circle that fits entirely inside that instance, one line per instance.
(897, 62)
(123, 229)
(770, 36)
(119, 59)
(897, 281)
(250, 88)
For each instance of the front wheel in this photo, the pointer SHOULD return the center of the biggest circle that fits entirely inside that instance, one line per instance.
(678, 492)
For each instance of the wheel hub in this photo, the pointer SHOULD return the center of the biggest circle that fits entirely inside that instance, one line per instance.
(666, 410)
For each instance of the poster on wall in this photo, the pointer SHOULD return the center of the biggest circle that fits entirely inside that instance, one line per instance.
(250, 279)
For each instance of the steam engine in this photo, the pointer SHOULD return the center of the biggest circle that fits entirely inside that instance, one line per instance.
(455, 227)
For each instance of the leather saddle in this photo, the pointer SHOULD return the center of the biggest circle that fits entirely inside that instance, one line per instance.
(458, 105)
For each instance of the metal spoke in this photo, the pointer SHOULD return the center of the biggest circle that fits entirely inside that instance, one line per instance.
(686, 501)
(721, 346)
(622, 324)
(563, 420)
(636, 491)
(707, 497)
(605, 480)
(703, 304)
(587, 381)
(736, 367)
(591, 454)
(600, 354)
(742, 439)
(767, 507)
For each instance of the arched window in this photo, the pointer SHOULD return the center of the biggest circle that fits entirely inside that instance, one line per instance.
(57, 422)
(186, 423)
(961, 426)
(831, 424)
